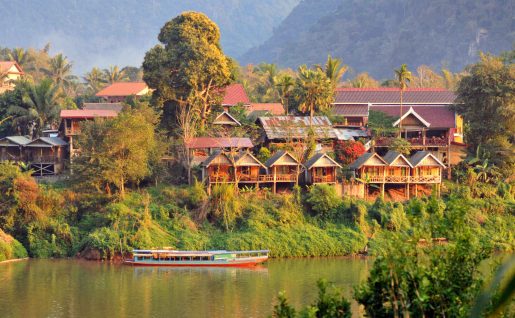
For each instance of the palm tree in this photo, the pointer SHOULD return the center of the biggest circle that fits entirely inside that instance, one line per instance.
(39, 108)
(403, 78)
(334, 70)
(20, 56)
(113, 74)
(95, 79)
(284, 86)
(59, 71)
(314, 89)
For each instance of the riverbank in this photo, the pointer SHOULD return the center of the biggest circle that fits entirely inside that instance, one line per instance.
(10, 249)
(62, 220)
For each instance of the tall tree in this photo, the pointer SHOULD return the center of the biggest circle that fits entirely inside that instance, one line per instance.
(117, 151)
(95, 80)
(60, 71)
(403, 76)
(313, 91)
(486, 101)
(284, 84)
(334, 70)
(39, 109)
(189, 68)
(20, 56)
(113, 74)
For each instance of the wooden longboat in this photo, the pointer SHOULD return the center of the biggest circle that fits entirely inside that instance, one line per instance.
(197, 258)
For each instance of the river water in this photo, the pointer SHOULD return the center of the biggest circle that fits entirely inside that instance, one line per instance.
(72, 288)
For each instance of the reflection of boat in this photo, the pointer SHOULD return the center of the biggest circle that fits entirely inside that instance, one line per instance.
(197, 258)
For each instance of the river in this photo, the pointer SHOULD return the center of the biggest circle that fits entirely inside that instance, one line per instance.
(74, 288)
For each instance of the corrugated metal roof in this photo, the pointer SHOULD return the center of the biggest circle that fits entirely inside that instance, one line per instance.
(297, 127)
(350, 134)
(218, 142)
(356, 110)
(385, 95)
(234, 94)
(272, 108)
(87, 113)
(50, 141)
(123, 89)
(117, 107)
(226, 119)
(19, 140)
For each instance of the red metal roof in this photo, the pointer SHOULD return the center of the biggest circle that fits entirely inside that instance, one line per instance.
(357, 110)
(272, 108)
(234, 94)
(215, 142)
(390, 95)
(6, 65)
(437, 116)
(87, 113)
(123, 89)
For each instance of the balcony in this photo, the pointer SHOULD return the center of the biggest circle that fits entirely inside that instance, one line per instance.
(44, 159)
(428, 142)
(403, 179)
(324, 179)
(8, 157)
(225, 178)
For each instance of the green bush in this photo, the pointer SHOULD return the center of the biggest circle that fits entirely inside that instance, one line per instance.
(322, 198)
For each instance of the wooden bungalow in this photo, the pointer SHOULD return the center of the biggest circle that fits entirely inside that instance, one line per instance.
(296, 130)
(394, 170)
(200, 148)
(11, 148)
(231, 167)
(46, 155)
(283, 168)
(321, 169)
(71, 120)
(426, 169)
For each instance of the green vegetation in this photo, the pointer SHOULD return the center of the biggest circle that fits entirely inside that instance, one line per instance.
(330, 304)
(10, 248)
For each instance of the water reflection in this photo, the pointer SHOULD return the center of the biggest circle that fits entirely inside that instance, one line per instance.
(70, 288)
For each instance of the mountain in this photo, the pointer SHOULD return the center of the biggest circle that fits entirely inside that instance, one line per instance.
(100, 33)
(378, 35)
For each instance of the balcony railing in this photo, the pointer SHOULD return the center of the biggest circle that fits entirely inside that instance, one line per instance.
(255, 178)
(403, 179)
(430, 141)
(44, 159)
(323, 179)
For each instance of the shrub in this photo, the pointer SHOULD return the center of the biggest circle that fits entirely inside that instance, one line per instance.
(347, 151)
(322, 199)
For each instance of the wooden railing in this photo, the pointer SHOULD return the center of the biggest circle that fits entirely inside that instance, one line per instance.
(44, 159)
(286, 177)
(323, 179)
(403, 179)
(430, 141)
(255, 178)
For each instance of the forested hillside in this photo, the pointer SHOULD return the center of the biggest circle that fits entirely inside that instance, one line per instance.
(119, 32)
(377, 36)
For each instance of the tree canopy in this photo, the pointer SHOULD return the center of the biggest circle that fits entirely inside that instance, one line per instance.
(189, 68)
(487, 103)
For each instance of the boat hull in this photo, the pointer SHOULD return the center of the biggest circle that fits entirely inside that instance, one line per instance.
(241, 262)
